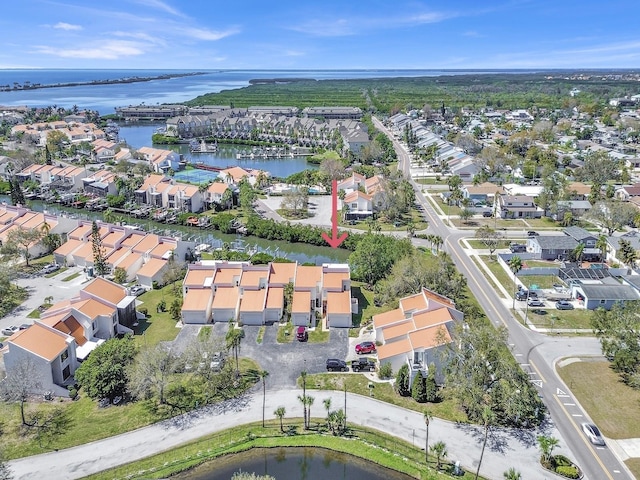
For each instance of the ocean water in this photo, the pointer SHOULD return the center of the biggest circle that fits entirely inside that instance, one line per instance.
(104, 98)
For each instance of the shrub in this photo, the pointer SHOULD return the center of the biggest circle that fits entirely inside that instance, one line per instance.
(73, 393)
(431, 389)
(143, 310)
(385, 371)
(162, 305)
(155, 285)
(402, 381)
(568, 471)
(418, 388)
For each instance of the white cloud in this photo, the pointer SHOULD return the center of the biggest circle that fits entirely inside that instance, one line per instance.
(160, 5)
(67, 26)
(141, 36)
(330, 28)
(109, 50)
(293, 53)
(206, 34)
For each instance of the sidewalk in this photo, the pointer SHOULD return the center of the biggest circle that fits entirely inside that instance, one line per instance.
(505, 448)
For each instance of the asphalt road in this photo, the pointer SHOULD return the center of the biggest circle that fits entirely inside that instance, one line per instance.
(536, 353)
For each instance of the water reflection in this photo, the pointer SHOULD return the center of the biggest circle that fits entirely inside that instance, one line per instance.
(292, 463)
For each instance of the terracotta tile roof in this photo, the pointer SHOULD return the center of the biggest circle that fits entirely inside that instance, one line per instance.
(148, 243)
(301, 302)
(70, 326)
(253, 300)
(338, 302)
(486, 188)
(226, 276)
(117, 255)
(218, 188)
(429, 337)
(197, 299)
(353, 196)
(133, 239)
(69, 246)
(392, 349)
(397, 330)
(152, 267)
(129, 260)
(112, 238)
(236, 172)
(432, 317)
(308, 276)
(85, 251)
(162, 250)
(106, 290)
(226, 297)
(251, 278)
(579, 187)
(40, 341)
(437, 298)
(413, 302)
(282, 273)
(334, 280)
(93, 308)
(199, 277)
(275, 297)
(388, 318)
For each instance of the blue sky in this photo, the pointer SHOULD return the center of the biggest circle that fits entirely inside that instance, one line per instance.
(315, 34)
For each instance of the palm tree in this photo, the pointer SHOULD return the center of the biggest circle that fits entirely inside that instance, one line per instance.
(327, 405)
(427, 418)
(303, 400)
(547, 444)
(309, 402)
(578, 252)
(487, 419)
(280, 412)
(439, 449)
(263, 375)
(515, 264)
(512, 474)
(437, 241)
(234, 337)
(602, 244)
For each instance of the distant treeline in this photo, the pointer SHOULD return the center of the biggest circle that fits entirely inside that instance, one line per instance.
(388, 95)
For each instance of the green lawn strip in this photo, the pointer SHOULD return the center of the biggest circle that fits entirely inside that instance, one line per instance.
(205, 332)
(13, 296)
(633, 464)
(540, 281)
(383, 391)
(611, 404)
(446, 209)
(318, 335)
(505, 279)
(34, 313)
(157, 327)
(366, 307)
(579, 319)
(478, 245)
(260, 336)
(285, 333)
(478, 262)
(71, 277)
(363, 443)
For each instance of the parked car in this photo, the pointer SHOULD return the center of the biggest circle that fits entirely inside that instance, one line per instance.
(301, 334)
(7, 332)
(363, 364)
(535, 302)
(517, 248)
(593, 434)
(365, 347)
(564, 305)
(532, 233)
(539, 311)
(137, 290)
(52, 267)
(487, 214)
(24, 326)
(336, 365)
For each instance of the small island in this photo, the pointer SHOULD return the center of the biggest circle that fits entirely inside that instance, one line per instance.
(27, 85)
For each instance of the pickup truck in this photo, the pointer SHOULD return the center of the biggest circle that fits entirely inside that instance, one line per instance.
(363, 364)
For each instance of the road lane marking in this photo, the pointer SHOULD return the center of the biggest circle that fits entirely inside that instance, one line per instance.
(560, 392)
(569, 404)
(537, 371)
(576, 415)
(575, 426)
(537, 383)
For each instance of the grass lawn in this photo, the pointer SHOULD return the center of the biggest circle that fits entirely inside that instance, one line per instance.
(479, 245)
(611, 404)
(318, 335)
(57, 272)
(205, 332)
(490, 280)
(157, 327)
(496, 224)
(260, 336)
(285, 333)
(633, 464)
(505, 279)
(359, 383)
(446, 209)
(34, 314)
(568, 319)
(544, 222)
(540, 281)
(71, 277)
(366, 308)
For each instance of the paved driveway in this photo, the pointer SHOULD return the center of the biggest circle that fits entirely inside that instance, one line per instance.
(319, 206)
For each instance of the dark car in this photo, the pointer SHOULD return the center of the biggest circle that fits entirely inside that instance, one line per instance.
(366, 347)
(301, 334)
(539, 311)
(593, 434)
(487, 214)
(517, 248)
(532, 233)
(564, 305)
(336, 365)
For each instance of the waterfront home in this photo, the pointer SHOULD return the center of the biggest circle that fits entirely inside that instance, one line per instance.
(160, 160)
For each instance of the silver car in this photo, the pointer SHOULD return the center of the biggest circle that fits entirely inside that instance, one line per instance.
(593, 434)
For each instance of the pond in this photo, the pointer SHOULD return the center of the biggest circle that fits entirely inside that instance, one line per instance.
(307, 463)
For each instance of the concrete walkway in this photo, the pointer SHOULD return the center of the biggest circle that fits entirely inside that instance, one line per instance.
(505, 448)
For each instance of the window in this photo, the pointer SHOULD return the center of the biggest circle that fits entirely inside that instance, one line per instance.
(64, 355)
(602, 302)
(66, 372)
(354, 205)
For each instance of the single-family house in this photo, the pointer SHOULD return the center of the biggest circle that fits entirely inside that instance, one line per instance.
(552, 247)
(518, 206)
(603, 294)
(357, 205)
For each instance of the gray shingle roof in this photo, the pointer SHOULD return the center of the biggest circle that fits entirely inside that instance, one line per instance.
(555, 242)
(578, 233)
(609, 292)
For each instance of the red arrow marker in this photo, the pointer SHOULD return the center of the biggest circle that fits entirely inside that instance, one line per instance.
(334, 240)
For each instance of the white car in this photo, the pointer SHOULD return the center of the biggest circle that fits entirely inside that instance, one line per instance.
(7, 332)
(593, 434)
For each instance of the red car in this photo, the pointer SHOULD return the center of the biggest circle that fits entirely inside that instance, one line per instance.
(366, 347)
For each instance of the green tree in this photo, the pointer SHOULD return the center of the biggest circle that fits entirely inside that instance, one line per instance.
(99, 252)
(16, 193)
(175, 309)
(427, 420)
(375, 254)
(612, 215)
(512, 474)
(626, 253)
(247, 195)
(234, 338)
(418, 388)
(454, 182)
(263, 376)
(151, 373)
(402, 381)
(515, 265)
(439, 449)
(119, 275)
(603, 246)
(431, 387)
(619, 333)
(280, 413)
(21, 240)
(104, 373)
(578, 252)
(547, 444)
(489, 237)
(466, 214)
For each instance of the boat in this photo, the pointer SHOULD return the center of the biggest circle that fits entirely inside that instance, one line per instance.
(202, 147)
